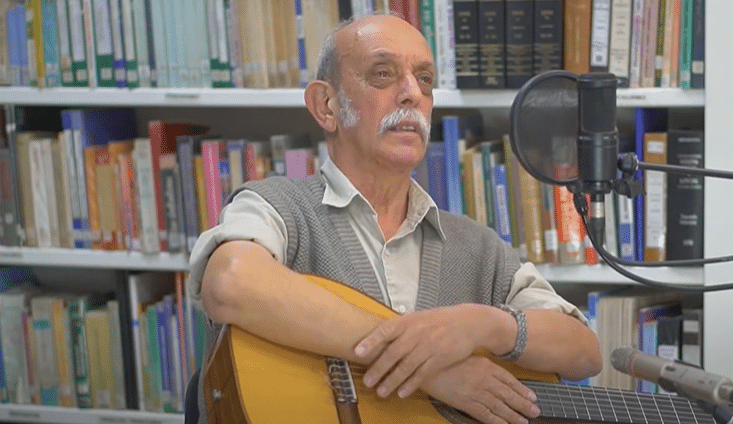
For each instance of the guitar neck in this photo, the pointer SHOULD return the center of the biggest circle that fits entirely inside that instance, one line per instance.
(603, 405)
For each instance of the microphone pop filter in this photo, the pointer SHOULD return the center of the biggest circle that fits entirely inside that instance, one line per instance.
(544, 127)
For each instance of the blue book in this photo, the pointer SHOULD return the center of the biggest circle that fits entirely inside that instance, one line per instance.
(18, 52)
(501, 202)
(646, 120)
(165, 352)
(302, 58)
(626, 230)
(51, 43)
(435, 157)
(457, 129)
(648, 318)
(92, 128)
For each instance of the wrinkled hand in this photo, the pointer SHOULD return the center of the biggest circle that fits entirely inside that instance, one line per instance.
(484, 390)
(416, 346)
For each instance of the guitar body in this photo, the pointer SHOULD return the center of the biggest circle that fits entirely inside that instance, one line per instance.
(251, 380)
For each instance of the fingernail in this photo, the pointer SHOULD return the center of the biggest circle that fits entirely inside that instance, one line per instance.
(532, 396)
(535, 411)
(402, 393)
(382, 392)
(368, 382)
(359, 350)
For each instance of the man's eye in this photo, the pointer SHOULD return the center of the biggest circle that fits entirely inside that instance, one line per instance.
(383, 73)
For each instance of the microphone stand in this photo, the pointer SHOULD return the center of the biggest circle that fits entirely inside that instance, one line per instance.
(630, 186)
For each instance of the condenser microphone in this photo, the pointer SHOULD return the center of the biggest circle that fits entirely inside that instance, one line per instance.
(597, 144)
(674, 376)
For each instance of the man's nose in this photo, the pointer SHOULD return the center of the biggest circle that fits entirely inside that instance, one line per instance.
(411, 92)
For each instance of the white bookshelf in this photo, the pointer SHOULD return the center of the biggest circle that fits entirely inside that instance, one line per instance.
(60, 415)
(99, 259)
(293, 97)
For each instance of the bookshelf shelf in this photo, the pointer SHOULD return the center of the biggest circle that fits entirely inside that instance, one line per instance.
(60, 415)
(603, 274)
(293, 97)
(98, 259)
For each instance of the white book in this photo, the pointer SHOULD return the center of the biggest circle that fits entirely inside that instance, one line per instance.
(62, 22)
(145, 192)
(128, 41)
(600, 27)
(48, 374)
(445, 51)
(140, 22)
(637, 19)
(50, 184)
(177, 388)
(118, 49)
(620, 30)
(41, 214)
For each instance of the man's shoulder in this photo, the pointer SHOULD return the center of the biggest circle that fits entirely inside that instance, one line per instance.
(283, 185)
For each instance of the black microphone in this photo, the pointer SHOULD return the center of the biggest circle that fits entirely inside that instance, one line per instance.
(673, 376)
(597, 144)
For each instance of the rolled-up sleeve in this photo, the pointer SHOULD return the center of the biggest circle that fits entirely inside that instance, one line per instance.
(247, 217)
(530, 290)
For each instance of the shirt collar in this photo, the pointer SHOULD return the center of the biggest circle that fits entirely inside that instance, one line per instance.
(340, 193)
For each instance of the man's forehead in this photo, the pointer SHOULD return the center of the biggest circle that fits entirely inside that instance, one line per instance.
(375, 40)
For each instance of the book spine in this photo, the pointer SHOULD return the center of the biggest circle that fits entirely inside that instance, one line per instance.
(118, 49)
(501, 202)
(619, 54)
(637, 20)
(145, 194)
(188, 189)
(210, 154)
(519, 38)
(51, 43)
(685, 197)
(170, 189)
(128, 41)
(445, 47)
(34, 44)
(549, 224)
(436, 170)
(648, 59)
(600, 35)
(48, 377)
(465, 21)
(576, 36)
(655, 202)
(77, 41)
(159, 37)
(531, 198)
(685, 52)
(142, 43)
(14, 352)
(548, 32)
(491, 36)
(66, 394)
(103, 43)
(697, 80)
(452, 164)
(661, 33)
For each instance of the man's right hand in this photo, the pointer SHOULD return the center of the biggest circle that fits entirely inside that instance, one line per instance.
(484, 390)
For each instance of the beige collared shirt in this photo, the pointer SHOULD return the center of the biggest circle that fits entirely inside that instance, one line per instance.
(396, 261)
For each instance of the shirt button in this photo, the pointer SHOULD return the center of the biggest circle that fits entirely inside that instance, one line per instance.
(401, 309)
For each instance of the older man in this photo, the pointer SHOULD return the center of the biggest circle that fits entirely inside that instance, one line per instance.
(363, 221)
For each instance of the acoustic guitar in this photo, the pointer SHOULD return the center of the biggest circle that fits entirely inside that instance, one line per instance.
(248, 379)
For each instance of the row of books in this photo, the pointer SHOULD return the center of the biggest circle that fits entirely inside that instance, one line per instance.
(135, 349)
(262, 43)
(93, 183)
(467, 175)
(656, 323)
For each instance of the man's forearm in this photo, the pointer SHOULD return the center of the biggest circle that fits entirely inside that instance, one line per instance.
(243, 285)
(559, 343)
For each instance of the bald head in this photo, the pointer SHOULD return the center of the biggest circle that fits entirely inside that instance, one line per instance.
(351, 32)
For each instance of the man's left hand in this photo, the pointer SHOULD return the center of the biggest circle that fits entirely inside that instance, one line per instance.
(408, 350)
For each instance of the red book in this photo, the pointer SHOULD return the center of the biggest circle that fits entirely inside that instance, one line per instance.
(162, 141)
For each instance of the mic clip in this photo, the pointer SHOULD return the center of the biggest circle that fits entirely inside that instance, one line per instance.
(629, 186)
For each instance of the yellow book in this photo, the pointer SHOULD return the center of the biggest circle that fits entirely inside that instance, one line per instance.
(60, 326)
(36, 57)
(198, 174)
(97, 327)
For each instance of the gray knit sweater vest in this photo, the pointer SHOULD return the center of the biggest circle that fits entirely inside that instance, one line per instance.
(472, 264)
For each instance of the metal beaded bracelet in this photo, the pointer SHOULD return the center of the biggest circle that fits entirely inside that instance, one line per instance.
(521, 341)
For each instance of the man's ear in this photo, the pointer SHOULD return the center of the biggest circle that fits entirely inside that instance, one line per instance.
(320, 99)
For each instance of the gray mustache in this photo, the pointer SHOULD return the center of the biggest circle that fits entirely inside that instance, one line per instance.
(404, 114)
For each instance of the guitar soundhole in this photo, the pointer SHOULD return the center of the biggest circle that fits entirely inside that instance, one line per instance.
(452, 414)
